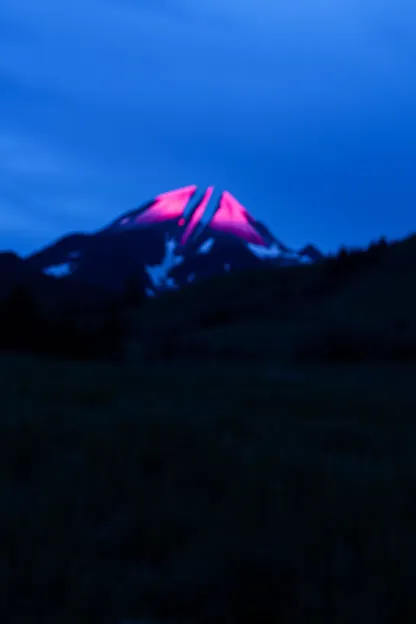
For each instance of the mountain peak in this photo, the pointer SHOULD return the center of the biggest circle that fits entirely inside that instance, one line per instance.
(174, 238)
(193, 210)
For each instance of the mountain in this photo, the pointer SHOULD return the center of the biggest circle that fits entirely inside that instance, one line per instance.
(173, 239)
(15, 269)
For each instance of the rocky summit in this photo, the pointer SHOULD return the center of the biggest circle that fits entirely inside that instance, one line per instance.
(171, 240)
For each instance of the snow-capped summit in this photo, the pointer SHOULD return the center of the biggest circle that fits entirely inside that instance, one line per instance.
(170, 240)
(191, 212)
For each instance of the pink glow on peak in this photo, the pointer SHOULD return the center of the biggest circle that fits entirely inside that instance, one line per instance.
(167, 206)
(197, 215)
(232, 218)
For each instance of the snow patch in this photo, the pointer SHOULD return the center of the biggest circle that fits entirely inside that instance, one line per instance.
(276, 252)
(206, 246)
(159, 273)
(304, 259)
(59, 270)
(263, 252)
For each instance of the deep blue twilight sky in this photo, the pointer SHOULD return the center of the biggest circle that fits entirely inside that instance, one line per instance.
(305, 110)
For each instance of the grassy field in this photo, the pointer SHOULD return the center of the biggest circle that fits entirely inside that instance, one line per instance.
(207, 492)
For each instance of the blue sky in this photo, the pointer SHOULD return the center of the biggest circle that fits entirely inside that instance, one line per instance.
(304, 110)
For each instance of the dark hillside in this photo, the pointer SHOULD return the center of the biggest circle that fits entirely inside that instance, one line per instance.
(266, 474)
(357, 305)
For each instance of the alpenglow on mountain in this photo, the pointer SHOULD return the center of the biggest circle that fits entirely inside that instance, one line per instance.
(171, 240)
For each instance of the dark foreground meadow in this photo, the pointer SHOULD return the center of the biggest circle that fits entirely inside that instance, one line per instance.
(195, 493)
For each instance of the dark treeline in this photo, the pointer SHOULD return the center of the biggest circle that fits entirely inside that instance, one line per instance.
(26, 325)
(67, 332)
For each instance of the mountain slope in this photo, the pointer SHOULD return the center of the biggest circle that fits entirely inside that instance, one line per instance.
(177, 237)
(359, 306)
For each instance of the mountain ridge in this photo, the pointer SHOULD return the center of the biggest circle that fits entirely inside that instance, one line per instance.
(168, 241)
